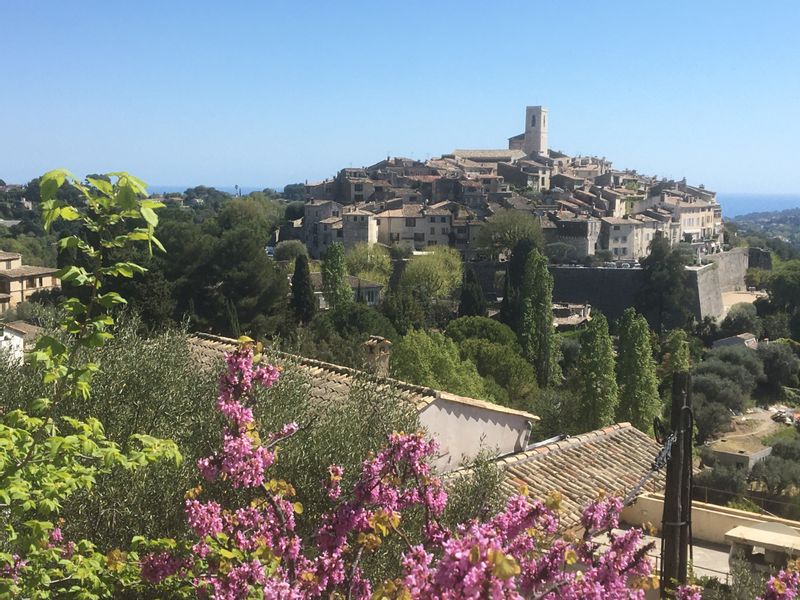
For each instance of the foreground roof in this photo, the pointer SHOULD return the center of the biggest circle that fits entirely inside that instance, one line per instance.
(329, 382)
(612, 460)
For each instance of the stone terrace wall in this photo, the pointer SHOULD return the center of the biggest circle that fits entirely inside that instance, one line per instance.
(732, 268)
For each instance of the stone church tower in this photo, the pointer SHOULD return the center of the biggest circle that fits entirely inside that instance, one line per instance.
(535, 141)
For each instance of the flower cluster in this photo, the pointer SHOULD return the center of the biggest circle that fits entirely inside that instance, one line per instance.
(255, 550)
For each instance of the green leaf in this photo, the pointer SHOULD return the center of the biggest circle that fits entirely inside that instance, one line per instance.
(102, 185)
(69, 213)
(51, 181)
(150, 216)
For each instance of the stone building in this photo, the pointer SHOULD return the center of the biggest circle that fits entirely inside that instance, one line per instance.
(414, 225)
(318, 225)
(359, 226)
(18, 282)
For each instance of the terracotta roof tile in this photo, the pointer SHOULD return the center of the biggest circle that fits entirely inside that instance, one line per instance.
(330, 382)
(612, 459)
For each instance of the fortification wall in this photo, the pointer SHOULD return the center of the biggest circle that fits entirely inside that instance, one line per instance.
(705, 295)
(758, 258)
(732, 267)
(612, 290)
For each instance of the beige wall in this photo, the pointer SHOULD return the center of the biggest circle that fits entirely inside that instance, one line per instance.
(388, 226)
(21, 289)
(710, 522)
(462, 431)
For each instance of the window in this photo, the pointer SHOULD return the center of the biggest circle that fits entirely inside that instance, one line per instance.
(433, 219)
(411, 222)
(624, 250)
(358, 197)
(431, 242)
(444, 230)
(359, 187)
(616, 227)
(419, 237)
(533, 120)
(433, 230)
(336, 213)
(442, 219)
(395, 237)
(624, 238)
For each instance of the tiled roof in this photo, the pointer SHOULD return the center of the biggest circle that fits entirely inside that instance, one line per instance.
(329, 382)
(612, 459)
(28, 331)
(499, 154)
(415, 211)
(9, 255)
(26, 271)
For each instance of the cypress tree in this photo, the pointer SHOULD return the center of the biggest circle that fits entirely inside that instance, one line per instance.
(598, 394)
(511, 308)
(536, 330)
(302, 303)
(335, 287)
(639, 401)
(472, 302)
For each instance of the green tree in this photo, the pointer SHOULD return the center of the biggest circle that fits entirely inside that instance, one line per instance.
(663, 294)
(510, 307)
(303, 302)
(780, 366)
(639, 401)
(537, 332)
(46, 458)
(289, 250)
(433, 360)
(784, 285)
(505, 369)
(433, 276)
(506, 228)
(598, 394)
(294, 191)
(741, 318)
(369, 261)
(482, 328)
(472, 303)
(335, 287)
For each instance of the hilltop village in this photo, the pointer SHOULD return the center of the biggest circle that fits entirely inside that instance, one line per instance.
(580, 201)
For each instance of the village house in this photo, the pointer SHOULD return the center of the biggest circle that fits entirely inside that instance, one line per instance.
(318, 225)
(359, 226)
(18, 282)
(415, 225)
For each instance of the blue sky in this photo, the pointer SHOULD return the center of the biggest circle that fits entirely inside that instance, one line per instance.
(267, 93)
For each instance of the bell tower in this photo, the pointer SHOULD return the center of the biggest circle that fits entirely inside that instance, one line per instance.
(535, 131)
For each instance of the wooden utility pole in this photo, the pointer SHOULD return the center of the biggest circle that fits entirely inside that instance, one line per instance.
(677, 497)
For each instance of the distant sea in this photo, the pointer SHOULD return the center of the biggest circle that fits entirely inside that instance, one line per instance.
(734, 205)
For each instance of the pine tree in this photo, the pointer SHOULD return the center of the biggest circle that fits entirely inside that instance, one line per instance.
(639, 401)
(536, 330)
(598, 394)
(302, 303)
(335, 287)
(472, 302)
